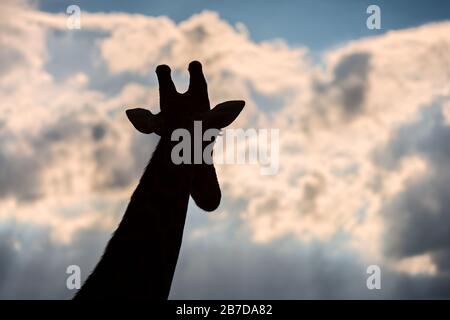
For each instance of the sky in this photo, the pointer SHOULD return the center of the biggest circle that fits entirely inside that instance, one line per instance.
(363, 118)
(315, 24)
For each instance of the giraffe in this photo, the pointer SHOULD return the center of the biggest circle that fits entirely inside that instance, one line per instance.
(140, 258)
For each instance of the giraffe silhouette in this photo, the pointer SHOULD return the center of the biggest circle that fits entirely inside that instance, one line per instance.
(140, 259)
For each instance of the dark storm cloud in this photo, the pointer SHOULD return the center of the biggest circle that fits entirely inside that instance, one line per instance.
(242, 270)
(419, 218)
(21, 174)
(349, 85)
(235, 268)
(442, 258)
(32, 266)
(227, 266)
(7, 255)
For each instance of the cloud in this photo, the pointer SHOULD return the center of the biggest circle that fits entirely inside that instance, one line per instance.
(33, 266)
(229, 265)
(418, 217)
(349, 85)
(362, 155)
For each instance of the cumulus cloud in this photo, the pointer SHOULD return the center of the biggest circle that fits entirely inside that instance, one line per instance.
(418, 218)
(362, 154)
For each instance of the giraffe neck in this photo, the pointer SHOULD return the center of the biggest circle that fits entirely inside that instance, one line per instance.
(140, 259)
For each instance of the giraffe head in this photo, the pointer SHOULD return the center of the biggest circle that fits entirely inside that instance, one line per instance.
(179, 111)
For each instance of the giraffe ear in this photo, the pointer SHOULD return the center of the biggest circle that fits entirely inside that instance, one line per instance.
(145, 121)
(223, 114)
